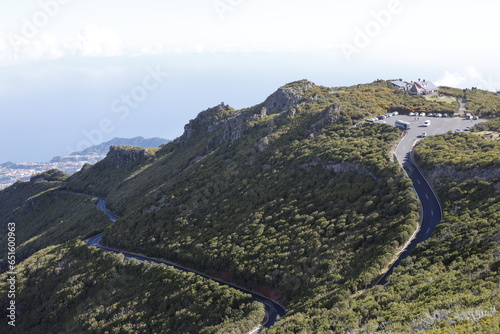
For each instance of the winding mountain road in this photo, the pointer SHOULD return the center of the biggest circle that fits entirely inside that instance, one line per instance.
(430, 205)
(431, 213)
(273, 308)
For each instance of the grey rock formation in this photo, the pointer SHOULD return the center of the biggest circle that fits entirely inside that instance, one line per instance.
(329, 116)
(103, 149)
(263, 144)
(121, 155)
(342, 167)
(221, 121)
(444, 174)
(288, 96)
(51, 175)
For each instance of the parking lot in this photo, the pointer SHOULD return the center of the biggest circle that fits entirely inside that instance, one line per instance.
(438, 124)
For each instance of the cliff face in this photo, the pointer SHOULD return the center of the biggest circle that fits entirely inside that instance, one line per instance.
(222, 119)
(288, 96)
(224, 124)
(343, 167)
(122, 155)
(51, 175)
(444, 174)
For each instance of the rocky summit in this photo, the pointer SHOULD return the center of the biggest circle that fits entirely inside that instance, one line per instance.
(297, 215)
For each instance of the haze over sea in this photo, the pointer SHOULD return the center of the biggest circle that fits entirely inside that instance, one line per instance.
(75, 74)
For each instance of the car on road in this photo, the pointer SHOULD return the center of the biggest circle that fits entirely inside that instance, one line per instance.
(474, 118)
(411, 114)
(427, 123)
(467, 128)
(423, 135)
(458, 130)
(439, 115)
(422, 114)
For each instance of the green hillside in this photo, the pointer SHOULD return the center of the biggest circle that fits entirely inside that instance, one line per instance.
(45, 214)
(294, 201)
(73, 288)
(297, 198)
(451, 283)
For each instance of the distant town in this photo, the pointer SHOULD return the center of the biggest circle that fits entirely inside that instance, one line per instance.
(11, 172)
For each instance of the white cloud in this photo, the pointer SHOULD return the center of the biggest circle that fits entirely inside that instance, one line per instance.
(95, 42)
(469, 76)
(90, 42)
(451, 79)
(487, 83)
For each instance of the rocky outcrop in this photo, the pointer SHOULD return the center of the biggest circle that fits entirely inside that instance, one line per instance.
(329, 116)
(160, 204)
(223, 124)
(444, 174)
(222, 120)
(288, 96)
(49, 176)
(121, 155)
(77, 158)
(263, 144)
(342, 167)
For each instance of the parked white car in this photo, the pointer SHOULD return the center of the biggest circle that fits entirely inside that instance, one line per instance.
(427, 123)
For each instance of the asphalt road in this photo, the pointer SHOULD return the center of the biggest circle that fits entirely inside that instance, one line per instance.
(438, 125)
(431, 207)
(273, 309)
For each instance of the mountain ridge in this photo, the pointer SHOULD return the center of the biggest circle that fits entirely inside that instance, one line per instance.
(302, 199)
(10, 172)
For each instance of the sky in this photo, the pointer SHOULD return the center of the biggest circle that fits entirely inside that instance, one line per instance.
(74, 73)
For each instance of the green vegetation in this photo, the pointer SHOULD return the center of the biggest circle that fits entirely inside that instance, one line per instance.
(73, 288)
(479, 102)
(119, 164)
(282, 226)
(451, 283)
(464, 151)
(482, 103)
(381, 97)
(491, 125)
(46, 215)
(304, 204)
(52, 175)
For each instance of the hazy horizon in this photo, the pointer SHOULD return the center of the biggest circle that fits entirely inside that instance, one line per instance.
(74, 73)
